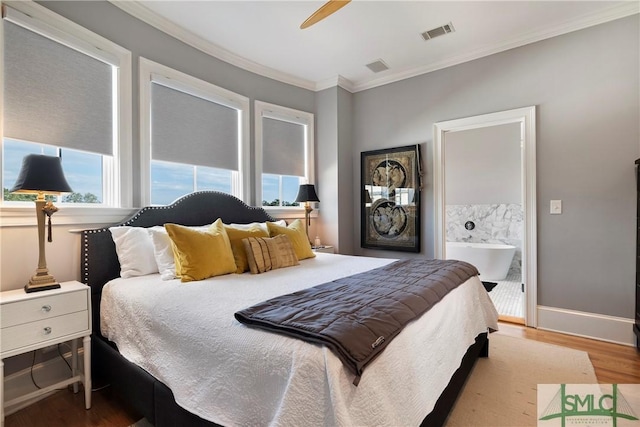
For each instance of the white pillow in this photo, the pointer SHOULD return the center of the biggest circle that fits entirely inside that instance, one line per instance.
(163, 252)
(262, 225)
(135, 251)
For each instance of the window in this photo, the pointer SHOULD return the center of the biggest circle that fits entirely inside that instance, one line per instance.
(83, 171)
(194, 135)
(63, 96)
(284, 153)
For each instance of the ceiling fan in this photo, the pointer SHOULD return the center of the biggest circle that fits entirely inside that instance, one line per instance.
(327, 9)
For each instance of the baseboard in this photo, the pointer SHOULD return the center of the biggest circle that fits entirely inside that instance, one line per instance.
(618, 330)
(48, 372)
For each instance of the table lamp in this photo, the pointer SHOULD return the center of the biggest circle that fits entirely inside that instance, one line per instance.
(306, 194)
(41, 175)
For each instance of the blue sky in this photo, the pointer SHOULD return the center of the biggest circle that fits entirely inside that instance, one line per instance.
(172, 180)
(169, 180)
(82, 170)
(270, 187)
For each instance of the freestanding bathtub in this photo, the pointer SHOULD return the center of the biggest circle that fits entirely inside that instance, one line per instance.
(492, 260)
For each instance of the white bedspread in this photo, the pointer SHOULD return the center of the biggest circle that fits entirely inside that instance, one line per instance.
(185, 335)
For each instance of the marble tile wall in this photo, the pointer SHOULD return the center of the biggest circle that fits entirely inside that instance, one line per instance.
(494, 223)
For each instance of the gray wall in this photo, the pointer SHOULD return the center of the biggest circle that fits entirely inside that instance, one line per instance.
(141, 39)
(334, 108)
(346, 193)
(585, 85)
(327, 165)
(482, 166)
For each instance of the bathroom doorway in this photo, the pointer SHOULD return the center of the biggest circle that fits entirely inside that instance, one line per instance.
(484, 184)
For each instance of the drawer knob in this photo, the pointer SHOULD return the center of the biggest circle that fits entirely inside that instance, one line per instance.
(46, 308)
(47, 330)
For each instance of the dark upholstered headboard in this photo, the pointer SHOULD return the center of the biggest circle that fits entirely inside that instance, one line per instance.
(99, 262)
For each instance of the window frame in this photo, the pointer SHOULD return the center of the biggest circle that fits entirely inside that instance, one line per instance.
(149, 72)
(117, 179)
(278, 112)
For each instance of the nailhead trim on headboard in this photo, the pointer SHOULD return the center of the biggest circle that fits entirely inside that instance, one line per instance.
(210, 205)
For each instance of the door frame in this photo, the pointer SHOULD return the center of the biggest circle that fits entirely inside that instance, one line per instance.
(526, 116)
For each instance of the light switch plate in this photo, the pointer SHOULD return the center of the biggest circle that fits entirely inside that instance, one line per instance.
(555, 207)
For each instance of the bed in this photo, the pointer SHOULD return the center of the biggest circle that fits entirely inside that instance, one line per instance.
(176, 354)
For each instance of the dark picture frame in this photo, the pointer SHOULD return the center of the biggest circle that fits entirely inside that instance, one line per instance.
(390, 198)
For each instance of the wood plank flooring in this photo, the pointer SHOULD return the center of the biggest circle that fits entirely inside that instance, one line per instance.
(66, 409)
(614, 364)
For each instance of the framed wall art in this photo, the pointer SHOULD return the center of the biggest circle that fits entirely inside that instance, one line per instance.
(390, 200)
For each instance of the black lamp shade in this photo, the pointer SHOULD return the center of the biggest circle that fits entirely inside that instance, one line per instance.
(307, 193)
(41, 173)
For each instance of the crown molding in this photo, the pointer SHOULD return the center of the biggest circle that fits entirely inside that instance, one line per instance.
(144, 14)
(343, 82)
(139, 11)
(611, 14)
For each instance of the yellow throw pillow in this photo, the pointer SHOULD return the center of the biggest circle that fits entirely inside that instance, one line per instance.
(269, 253)
(296, 233)
(201, 254)
(235, 237)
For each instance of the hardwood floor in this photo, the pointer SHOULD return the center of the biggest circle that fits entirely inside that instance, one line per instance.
(66, 409)
(613, 363)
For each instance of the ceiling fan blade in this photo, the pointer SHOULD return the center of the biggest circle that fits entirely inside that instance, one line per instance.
(327, 9)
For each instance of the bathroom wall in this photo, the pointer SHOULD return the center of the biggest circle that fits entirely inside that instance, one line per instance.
(483, 186)
(494, 223)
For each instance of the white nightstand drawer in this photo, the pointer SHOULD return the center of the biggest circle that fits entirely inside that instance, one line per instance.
(27, 334)
(32, 321)
(44, 307)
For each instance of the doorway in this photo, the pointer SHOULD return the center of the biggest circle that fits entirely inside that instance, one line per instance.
(484, 185)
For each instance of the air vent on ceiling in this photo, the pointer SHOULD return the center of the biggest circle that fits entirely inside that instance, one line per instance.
(378, 66)
(437, 32)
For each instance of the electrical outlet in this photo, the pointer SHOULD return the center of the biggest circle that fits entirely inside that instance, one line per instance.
(555, 207)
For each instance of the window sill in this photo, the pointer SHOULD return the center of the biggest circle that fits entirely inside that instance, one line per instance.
(20, 216)
(289, 213)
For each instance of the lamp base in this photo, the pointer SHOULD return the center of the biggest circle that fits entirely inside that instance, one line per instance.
(37, 288)
(41, 281)
(307, 220)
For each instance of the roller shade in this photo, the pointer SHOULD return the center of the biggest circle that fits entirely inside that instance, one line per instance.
(192, 130)
(283, 147)
(54, 94)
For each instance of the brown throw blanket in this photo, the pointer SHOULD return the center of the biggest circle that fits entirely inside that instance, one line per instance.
(357, 316)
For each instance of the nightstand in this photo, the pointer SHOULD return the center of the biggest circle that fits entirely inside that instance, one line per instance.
(325, 249)
(31, 321)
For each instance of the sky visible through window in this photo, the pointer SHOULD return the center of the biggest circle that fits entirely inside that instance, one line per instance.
(169, 180)
(271, 189)
(82, 170)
